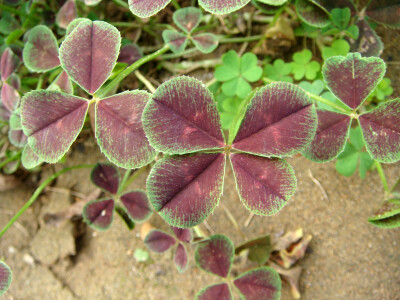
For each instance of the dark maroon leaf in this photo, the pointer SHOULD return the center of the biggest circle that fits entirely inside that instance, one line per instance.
(9, 97)
(220, 291)
(66, 14)
(312, 14)
(159, 241)
(119, 129)
(99, 213)
(147, 8)
(279, 121)
(137, 205)
(368, 42)
(215, 255)
(41, 50)
(330, 139)
(5, 277)
(331, 4)
(381, 131)
(264, 185)
(14, 81)
(177, 41)
(52, 121)
(205, 42)
(8, 64)
(182, 117)
(106, 177)
(181, 258)
(183, 234)
(72, 25)
(89, 53)
(385, 11)
(353, 78)
(187, 18)
(62, 84)
(4, 113)
(260, 283)
(17, 138)
(186, 189)
(222, 7)
(129, 54)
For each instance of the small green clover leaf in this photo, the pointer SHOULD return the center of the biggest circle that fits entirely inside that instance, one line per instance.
(338, 47)
(279, 71)
(354, 155)
(303, 66)
(341, 17)
(236, 73)
(383, 90)
(188, 19)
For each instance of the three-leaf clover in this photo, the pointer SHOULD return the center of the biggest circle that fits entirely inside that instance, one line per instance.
(279, 70)
(132, 206)
(160, 241)
(353, 155)
(215, 256)
(182, 121)
(304, 66)
(338, 47)
(352, 79)
(187, 19)
(236, 73)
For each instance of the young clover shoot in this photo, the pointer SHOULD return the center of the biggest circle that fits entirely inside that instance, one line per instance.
(215, 256)
(160, 241)
(182, 120)
(132, 206)
(352, 79)
(188, 19)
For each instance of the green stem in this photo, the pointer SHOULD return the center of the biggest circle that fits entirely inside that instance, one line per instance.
(121, 3)
(382, 176)
(124, 179)
(394, 185)
(178, 55)
(12, 158)
(40, 82)
(126, 24)
(176, 4)
(18, 12)
(132, 178)
(240, 39)
(37, 193)
(319, 99)
(103, 91)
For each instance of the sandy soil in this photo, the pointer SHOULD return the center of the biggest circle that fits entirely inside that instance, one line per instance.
(348, 258)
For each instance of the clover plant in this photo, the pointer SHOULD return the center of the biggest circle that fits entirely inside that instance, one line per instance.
(351, 79)
(181, 120)
(188, 19)
(322, 13)
(236, 73)
(279, 70)
(303, 66)
(215, 256)
(5, 278)
(132, 206)
(160, 241)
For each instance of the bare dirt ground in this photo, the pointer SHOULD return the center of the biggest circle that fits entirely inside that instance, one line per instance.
(348, 258)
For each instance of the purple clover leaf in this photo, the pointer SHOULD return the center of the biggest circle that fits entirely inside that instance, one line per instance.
(215, 256)
(133, 206)
(182, 120)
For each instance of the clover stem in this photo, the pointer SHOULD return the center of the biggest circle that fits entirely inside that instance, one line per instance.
(240, 39)
(121, 3)
(175, 4)
(123, 181)
(145, 81)
(132, 178)
(382, 176)
(10, 159)
(37, 193)
(104, 90)
(319, 99)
